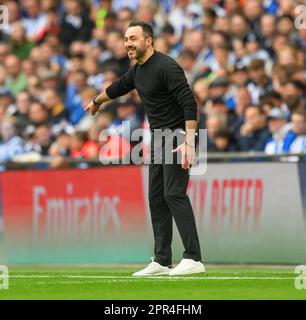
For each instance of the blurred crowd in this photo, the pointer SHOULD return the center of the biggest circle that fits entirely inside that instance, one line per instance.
(244, 60)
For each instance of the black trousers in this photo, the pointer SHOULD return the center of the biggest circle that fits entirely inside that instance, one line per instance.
(168, 199)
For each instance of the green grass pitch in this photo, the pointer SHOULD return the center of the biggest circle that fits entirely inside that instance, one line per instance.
(115, 282)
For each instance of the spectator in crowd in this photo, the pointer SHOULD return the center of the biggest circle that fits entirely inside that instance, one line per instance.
(253, 10)
(13, 17)
(125, 16)
(287, 56)
(162, 45)
(260, 82)
(239, 76)
(224, 141)
(126, 120)
(81, 147)
(274, 98)
(214, 124)
(104, 120)
(62, 144)
(16, 80)
(177, 16)
(21, 114)
(243, 100)
(6, 103)
(293, 94)
(92, 145)
(95, 77)
(4, 52)
(298, 119)
(253, 134)
(239, 26)
(43, 139)
(200, 89)
(38, 114)
(220, 87)
(73, 100)
(54, 105)
(35, 21)
(117, 5)
(245, 62)
(279, 128)
(75, 23)
(267, 29)
(186, 59)
(285, 25)
(119, 56)
(252, 50)
(147, 12)
(33, 86)
(20, 46)
(11, 144)
(168, 33)
(217, 105)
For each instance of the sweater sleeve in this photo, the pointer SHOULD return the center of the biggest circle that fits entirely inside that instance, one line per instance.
(121, 86)
(175, 80)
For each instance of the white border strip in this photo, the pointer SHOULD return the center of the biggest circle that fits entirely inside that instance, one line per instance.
(147, 277)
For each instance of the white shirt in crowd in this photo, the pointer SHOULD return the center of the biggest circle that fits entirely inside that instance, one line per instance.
(298, 145)
(275, 145)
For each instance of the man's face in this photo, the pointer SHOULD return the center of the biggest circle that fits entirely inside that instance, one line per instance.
(37, 113)
(275, 124)
(238, 25)
(42, 135)
(194, 41)
(220, 108)
(135, 42)
(32, 7)
(12, 65)
(267, 25)
(213, 124)
(252, 9)
(23, 102)
(257, 74)
(50, 98)
(298, 124)
(254, 118)
(7, 130)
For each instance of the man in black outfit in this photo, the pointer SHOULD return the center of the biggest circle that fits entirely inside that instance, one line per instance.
(169, 104)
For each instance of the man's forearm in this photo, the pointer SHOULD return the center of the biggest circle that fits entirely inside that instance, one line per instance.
(191, 128)
(102, 97)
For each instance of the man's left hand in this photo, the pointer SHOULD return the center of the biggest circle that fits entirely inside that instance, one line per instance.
(188, 155)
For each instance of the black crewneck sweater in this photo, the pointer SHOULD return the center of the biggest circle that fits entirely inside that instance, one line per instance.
(163, 89)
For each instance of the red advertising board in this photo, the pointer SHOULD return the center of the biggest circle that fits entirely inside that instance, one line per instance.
(72, 204)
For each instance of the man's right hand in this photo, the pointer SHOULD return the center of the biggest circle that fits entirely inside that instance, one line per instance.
(92, 108)
(246, 129)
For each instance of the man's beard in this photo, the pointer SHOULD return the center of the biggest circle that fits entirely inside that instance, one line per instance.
(140, 52)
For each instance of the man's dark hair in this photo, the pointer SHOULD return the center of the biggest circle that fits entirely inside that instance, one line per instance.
(128, 9)
(300, 112)
(146, 28)
(217, 100)
(270, 95)
(186, 53)
(225, 134)
(256, 64)
(168, 29)
(257, 107)
(296, 83)
(287, 17)
(81, 72)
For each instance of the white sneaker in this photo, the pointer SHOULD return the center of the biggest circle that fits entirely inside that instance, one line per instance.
(153, 269)
(187, 266)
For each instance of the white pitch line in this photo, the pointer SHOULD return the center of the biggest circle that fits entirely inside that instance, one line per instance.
(130, 278)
